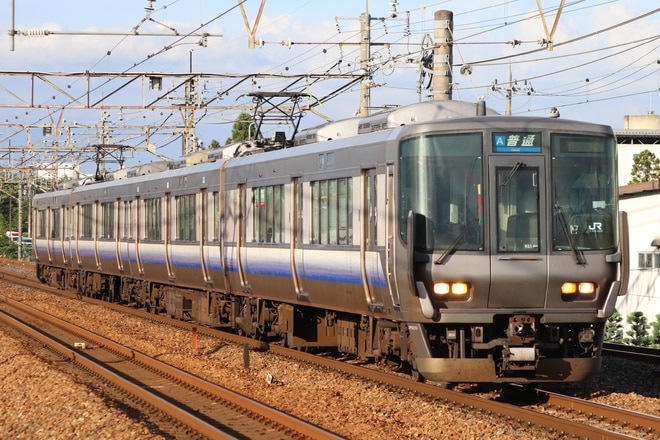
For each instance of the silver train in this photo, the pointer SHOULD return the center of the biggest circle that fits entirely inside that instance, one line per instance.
(469, 246)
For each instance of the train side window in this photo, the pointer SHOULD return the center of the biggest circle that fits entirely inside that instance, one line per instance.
(267, 214)
(332, 211)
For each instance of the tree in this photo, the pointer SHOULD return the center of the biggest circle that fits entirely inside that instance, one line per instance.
(241, 129)
(8, 249)
(638, 330)
(655, 332)
(614, 328)
(646, 167)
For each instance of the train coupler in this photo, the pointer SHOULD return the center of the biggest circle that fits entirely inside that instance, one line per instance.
(515, 358)
(520, 351)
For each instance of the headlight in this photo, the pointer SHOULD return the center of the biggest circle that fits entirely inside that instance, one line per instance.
(441, 288)
(458, 288)
(578, 290)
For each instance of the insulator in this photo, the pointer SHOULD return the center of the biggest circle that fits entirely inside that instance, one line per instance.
(35, 33)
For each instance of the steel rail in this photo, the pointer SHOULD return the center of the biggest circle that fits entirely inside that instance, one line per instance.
(281, 419)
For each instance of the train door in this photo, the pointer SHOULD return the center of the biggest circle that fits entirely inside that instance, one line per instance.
(66, 237)
(389, 232)
(369, 258)
(297, 260)
(241, 251)
(203, 239)
(96, 225)
(125, 237)
(517, 206)
(77, 229)
(167, 227)
(116, 207)
(136, 233)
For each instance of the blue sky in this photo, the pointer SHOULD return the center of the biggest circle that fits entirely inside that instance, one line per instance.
(600, 70)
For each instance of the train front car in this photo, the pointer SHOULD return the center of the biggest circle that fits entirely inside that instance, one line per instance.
(511, 247)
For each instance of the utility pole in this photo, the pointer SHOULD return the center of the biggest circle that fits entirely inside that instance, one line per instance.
(365, 61)
(188, 137)
(511, 87)
(365, 52)
(442, 55)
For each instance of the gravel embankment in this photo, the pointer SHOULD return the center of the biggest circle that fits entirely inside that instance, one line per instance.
(37, 401)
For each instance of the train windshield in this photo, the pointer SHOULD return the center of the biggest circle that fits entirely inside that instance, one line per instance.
(584, 192)
(441, 181)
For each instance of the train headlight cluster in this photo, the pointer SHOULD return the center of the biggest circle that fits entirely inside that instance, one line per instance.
(458, 288)
(572, 290)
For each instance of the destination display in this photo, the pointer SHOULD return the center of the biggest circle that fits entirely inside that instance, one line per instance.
(517, 142)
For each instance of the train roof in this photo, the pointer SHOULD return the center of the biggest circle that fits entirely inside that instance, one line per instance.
(457, 113)
(396, 117)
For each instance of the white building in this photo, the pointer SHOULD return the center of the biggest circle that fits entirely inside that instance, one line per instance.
(58, 171)
(642, 203)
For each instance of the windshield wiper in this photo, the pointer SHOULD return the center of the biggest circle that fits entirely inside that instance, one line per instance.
(441, 259)
(579, 254)
(512, 172)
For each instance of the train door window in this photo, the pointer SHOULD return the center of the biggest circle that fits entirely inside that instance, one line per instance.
(267, 212)
(68, 220)
(127, 224)
(370, 177)
(215, 233)
(344, 211)
(55, 223)
(518, 208)
(41, 223)
(108, 214)
(152, 219)
(87, 213)
(297, 224)
(186, 217)
(333, 199)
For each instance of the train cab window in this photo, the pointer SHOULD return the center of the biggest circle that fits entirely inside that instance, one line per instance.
(186, 217)
(584, 191)
(267, 214)
(332, 212)
(441, 180)
(152, 219)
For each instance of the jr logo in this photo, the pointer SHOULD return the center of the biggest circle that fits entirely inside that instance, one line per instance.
(593, 227)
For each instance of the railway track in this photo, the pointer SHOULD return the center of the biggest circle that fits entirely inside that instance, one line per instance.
(632, 352)
(558, 414)
(630, 423)
(196, 405)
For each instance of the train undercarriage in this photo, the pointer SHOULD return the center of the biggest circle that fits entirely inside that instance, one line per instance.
(513, 348)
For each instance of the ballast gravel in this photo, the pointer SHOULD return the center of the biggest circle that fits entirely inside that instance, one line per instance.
(39, 401)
